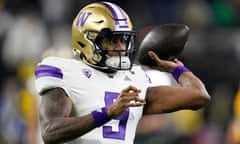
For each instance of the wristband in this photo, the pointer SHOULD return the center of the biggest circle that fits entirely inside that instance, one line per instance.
(178, 71)
(100, 117)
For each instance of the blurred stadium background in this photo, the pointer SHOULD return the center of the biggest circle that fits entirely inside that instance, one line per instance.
(32, 29)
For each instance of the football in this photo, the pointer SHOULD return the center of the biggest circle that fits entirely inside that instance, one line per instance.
(167, 41)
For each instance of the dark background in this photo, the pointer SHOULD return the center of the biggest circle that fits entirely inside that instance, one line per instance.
(29, 29)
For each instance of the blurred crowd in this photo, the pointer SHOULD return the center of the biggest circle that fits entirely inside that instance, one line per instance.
(33, 29)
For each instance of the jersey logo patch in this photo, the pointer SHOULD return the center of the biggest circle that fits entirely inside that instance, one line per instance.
(87, 73)
(126, 78)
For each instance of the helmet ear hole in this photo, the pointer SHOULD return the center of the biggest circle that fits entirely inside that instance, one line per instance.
(82, 56)
(81, 44)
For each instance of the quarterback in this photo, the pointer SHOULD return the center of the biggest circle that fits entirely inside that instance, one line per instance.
(100, 96)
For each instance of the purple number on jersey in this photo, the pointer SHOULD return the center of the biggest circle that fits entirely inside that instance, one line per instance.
(107, 130)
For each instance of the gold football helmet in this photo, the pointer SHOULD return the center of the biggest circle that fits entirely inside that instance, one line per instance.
(103, 20)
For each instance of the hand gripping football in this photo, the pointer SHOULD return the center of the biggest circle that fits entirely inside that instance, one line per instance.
(167, 41)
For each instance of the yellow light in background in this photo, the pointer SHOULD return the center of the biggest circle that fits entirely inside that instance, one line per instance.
(237, 105)
(26, 70)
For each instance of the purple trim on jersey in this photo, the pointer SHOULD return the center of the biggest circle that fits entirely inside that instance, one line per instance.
(114, 13)
(48, 71)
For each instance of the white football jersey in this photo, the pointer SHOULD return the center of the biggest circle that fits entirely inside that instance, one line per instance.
(90, 89)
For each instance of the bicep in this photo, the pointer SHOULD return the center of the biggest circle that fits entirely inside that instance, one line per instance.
(54, 104)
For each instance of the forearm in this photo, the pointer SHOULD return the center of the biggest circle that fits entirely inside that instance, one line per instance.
(188, 80)
(198, 92)
(191, 94)
(65, 129)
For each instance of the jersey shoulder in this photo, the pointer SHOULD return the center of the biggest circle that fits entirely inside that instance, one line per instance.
(63, 64)
(52, 72)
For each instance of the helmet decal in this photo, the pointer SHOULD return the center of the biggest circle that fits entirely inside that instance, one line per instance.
(82, 17)
(118, 14)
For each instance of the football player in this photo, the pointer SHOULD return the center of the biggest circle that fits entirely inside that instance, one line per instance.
(99, 96)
